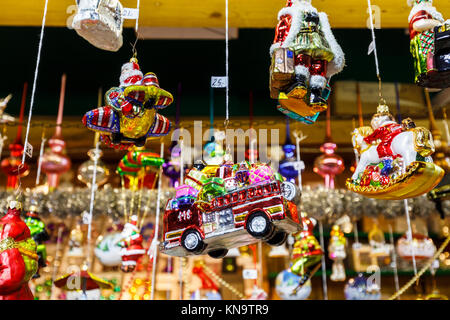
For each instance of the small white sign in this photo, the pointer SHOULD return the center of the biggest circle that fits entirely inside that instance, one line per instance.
(130, 13)
(29, 150)
(250, 274)
(371, 47)
(86, 217)
(219, 82)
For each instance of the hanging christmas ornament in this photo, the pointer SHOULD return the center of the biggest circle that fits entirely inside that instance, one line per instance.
(131, 244)
(357, 289)
(131, 116)
(76, 241)
(82, 281)
(289, 165)
(329, 164)
(39, 235)
(305, 55)
(337, 253)
(87, 168)
(395, 159)
(107, 251)
(4, 117)
(100, 22)
(212, 219)
(306, 254)
(18, 258)
(285, 284)
(429, 44)
(208, 289)
(12, 166)
(139, 167)
(213, 153)
(421, 246)
(54, 162)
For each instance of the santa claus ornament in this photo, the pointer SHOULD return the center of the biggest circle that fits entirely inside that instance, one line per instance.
(131, 244)
(131, 114)
(18, 258)
(429, 44)
(100, 22)
(395, 159)
(305, 55)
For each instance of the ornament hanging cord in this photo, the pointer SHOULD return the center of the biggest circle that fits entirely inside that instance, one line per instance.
(375, 52)
(33, 92)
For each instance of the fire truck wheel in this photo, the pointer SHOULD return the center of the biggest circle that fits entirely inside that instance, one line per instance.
(278, 239)
(259, 225)
(192, 241)
(218, 254)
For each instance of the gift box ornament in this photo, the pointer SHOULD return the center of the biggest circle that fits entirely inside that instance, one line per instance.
(224, 171)
(185, 190)
(260, 173)
(212, 187)
(230, 184)
(195, 179)
(100, 22)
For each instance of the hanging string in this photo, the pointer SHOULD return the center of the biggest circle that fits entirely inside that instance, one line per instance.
(409, 235)
(41, 152)
(375, 51)
(91, 204)
(154, 245)
(227, 115)
(324, 266)
(36, 72)
(394, 258)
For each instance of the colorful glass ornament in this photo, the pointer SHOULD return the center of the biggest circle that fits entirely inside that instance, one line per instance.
(395, 159)
(305, 55)
(223, 216)
(12, 166)
(306, 254)
(421, 246)
(285, 284)
(107, 251)
(429, 44)
(139, 167)
(39, 235)
(76, 241)
(131, 244)
(86, 169)
(357, 289)
(18, 257)
(131, 116)
(100, 23)
(54, 162)
(329, 164)
(337, 253)
(289, 166)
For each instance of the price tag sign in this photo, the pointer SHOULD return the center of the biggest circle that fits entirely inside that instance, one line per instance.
(130, 13)
(86, 217)
(250, 274)
(219, 82)
(29, 150)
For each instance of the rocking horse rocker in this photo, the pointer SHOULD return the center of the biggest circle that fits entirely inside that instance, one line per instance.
(395, 159)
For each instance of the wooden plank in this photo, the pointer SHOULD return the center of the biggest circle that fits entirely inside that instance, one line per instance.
(199, 13)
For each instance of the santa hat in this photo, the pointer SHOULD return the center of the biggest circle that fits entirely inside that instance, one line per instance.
(424, 5)
(131, 74)
(133, 220)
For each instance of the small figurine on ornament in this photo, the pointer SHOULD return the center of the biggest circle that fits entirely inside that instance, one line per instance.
(429, 44)
(286, 282)
(100, 22)
(18, 258)
(306, 254)
(131, 244)
(395, 159)
(131, 114)
(106, 250)
(39, 235)
(76, 240)
(305, 55)
(358, 289)
(337, 253)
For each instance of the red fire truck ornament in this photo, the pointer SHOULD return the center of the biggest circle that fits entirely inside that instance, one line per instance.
(235, 217)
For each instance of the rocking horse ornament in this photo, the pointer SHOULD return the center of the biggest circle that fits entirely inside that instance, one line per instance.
(395, 159)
